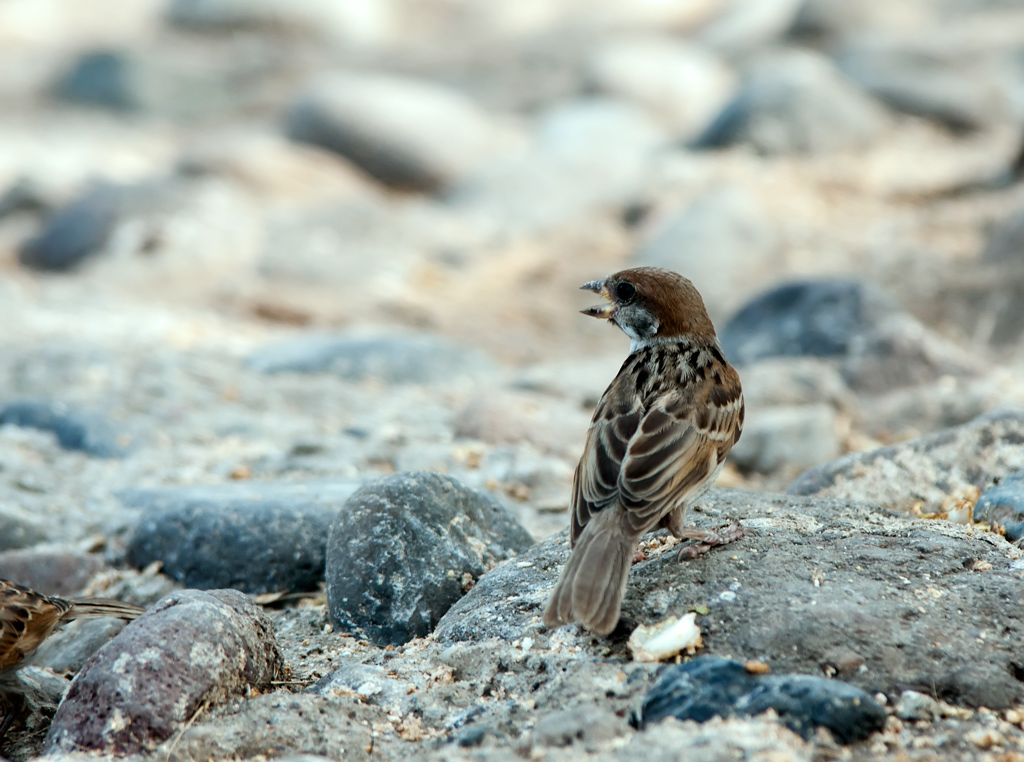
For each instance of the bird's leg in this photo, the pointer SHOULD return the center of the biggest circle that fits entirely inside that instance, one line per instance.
(706, 539)
(710, 538)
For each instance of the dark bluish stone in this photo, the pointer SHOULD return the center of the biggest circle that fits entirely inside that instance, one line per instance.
(1003, 503)
(100, 78)
(255, 538)
(74, 232)
(817, 318)
(75, 429)
(712, 686)
(400, 547)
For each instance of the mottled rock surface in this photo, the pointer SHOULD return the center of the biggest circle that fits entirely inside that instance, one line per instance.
(404, 548)
(192, 649)
(254, 538)
(817, 582)
(924, 470)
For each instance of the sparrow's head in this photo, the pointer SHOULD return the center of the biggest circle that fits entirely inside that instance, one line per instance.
(651, 304)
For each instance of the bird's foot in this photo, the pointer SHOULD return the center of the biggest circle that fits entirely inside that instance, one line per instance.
(706, 539)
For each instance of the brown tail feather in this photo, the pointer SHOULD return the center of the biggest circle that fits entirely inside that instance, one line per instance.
(594, 579)
(84, 608)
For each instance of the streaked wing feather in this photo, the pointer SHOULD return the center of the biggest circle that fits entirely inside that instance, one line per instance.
(26, 620)
(682, 439)
(595, 483)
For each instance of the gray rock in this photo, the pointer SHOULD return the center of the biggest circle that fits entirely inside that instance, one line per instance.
(928, 78)
(75, 429)
(795, 381)
(791, 436)
(582, 128)
(816, 318)
(917, 706)
(402, 549)
(818, 584)
(29, 698)
(25, 194)
(71, 647)
(18, 531)
(724, 242)
(407, 133)
(297, 724)
(745, 25)
(909, 412)
(585, 727)
(154, 84)
(899, 351)
(310, 19)
(505, 417)
(712, 686)
(101, 78)
(880, 346)
(981, 298)
(75, 232)
(396, 359)
(1003, 504)
(586, 155)
(191, 648)
(796, 103)
(716, 742)
(371, 684)
(1004, 242)
(366, 239)
(254, 537)
(684, 85)
(826, 21)
(50, 572)
(926, 469)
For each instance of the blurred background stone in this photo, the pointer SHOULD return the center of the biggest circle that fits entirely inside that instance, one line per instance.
(796, 103)
(723, 240)
(50, 572)
(684, 85)
(74, 232)
(407, 134)
(925, 78)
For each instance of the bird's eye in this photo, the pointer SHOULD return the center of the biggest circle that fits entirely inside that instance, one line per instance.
(625, 291)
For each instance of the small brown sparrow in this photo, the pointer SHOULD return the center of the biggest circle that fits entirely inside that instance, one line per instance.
(656, 442)
(27, 618)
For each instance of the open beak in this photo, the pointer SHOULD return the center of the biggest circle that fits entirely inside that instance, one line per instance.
(604, 311)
